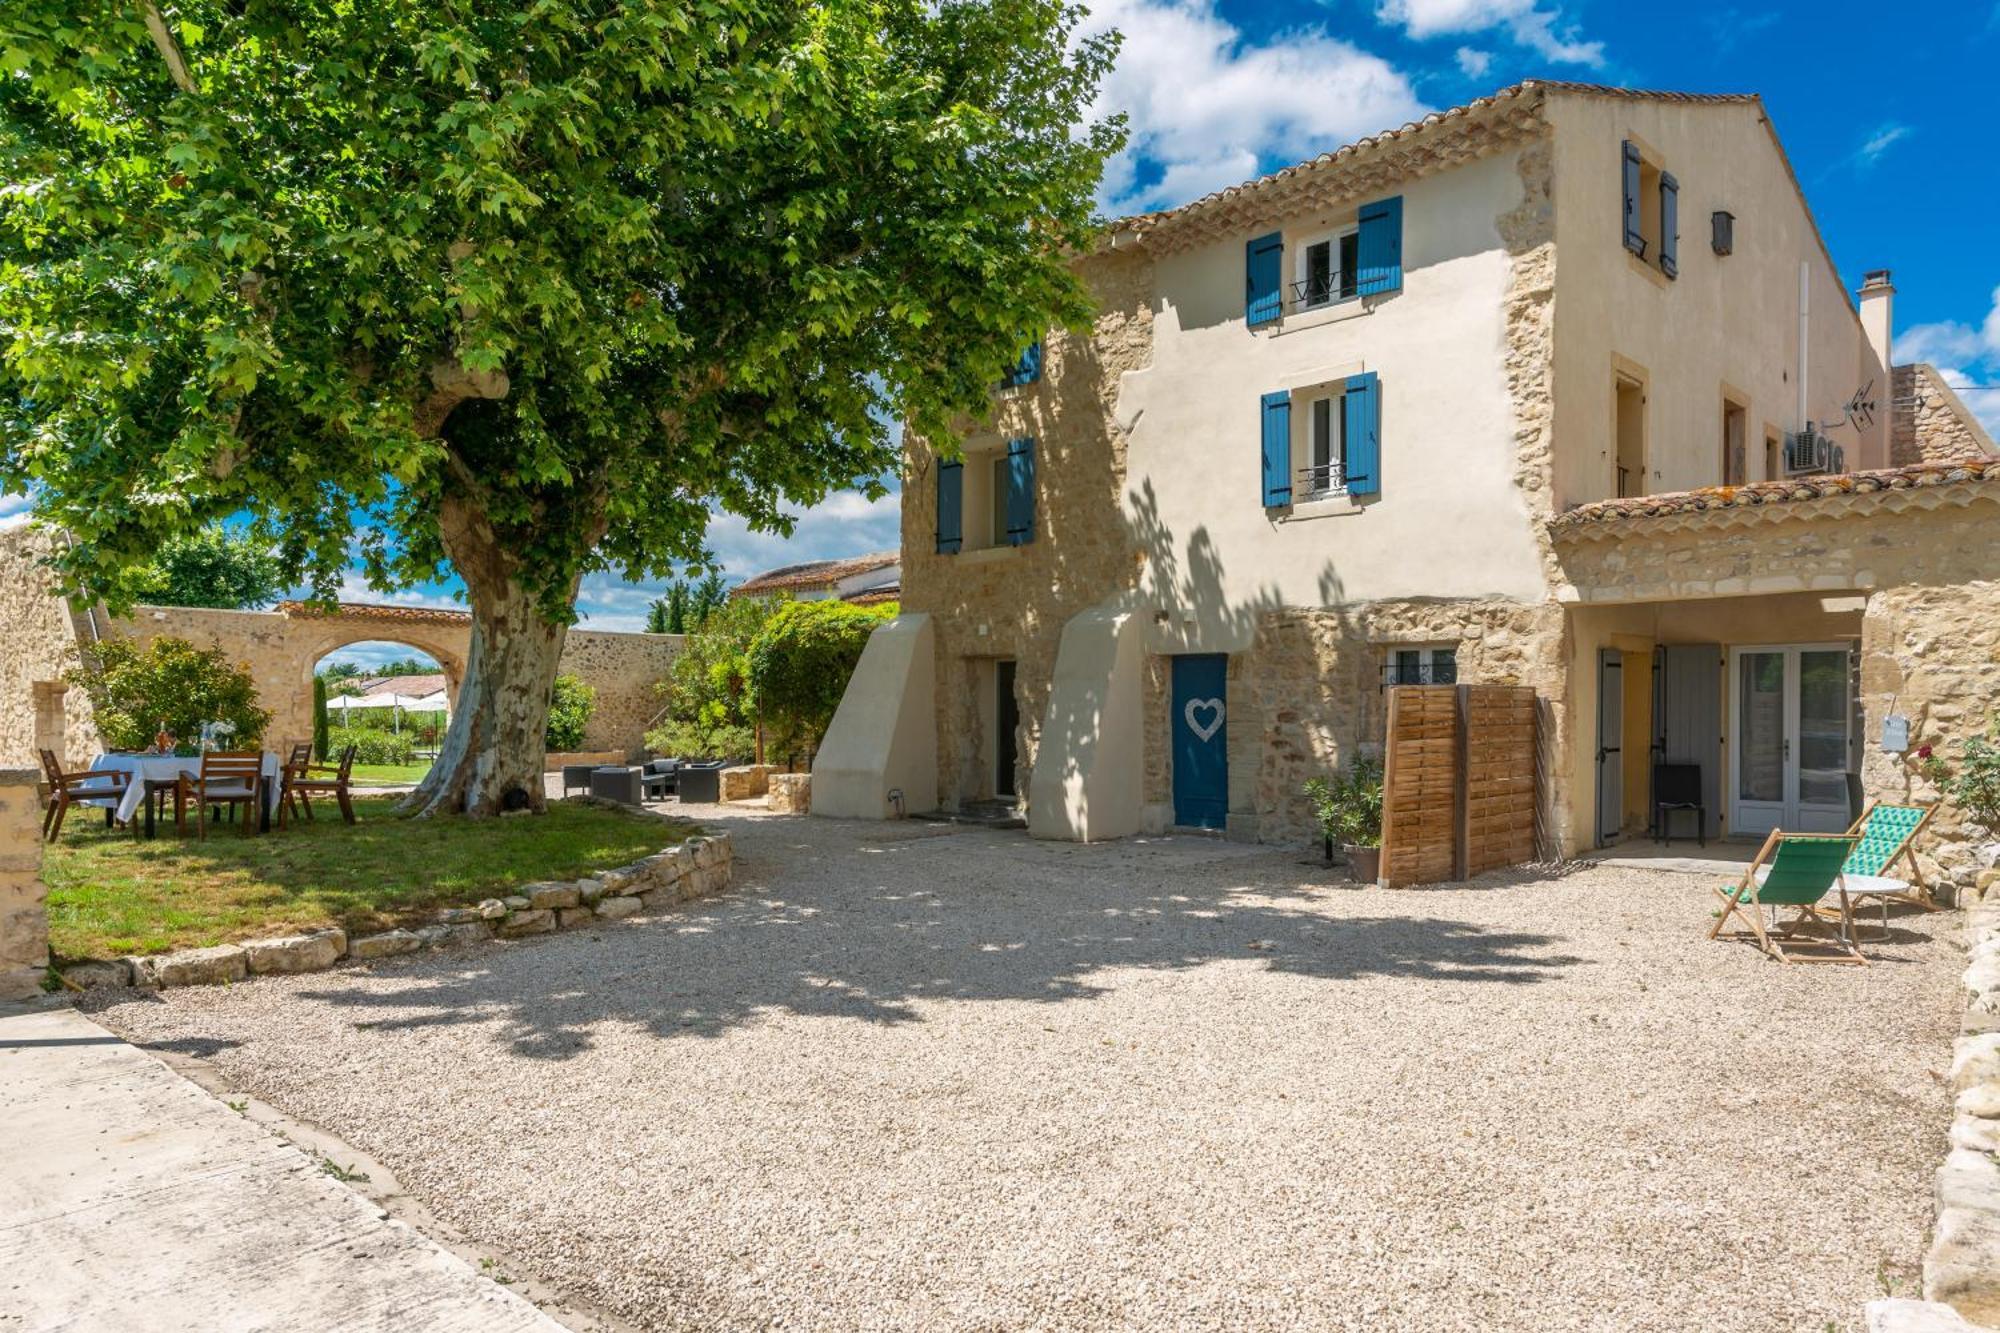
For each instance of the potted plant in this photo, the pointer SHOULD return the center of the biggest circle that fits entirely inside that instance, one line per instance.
(1348, 809)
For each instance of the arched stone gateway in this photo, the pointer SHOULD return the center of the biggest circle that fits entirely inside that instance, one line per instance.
(282, 646)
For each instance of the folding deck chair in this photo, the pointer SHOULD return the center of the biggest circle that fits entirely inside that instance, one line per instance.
(1794, 870)
(1888, 834)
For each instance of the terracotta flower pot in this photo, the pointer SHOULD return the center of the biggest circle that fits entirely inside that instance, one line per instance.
(1364, 864)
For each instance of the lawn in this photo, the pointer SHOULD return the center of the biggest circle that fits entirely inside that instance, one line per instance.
(113, 894)
(390, 775)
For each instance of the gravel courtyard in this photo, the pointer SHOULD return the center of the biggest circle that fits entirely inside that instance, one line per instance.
(913, 1077)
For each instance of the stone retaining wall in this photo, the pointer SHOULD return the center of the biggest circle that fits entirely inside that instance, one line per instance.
(694, 869)
(791, 793)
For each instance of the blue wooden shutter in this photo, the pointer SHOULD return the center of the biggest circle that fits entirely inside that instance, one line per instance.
(951, 507)
(1021, 491)
(1028, 369)
(1670, 219)
(1635, 234)
(1361, 410)
(1379, 249)
(1262, 260)
(1277, 449)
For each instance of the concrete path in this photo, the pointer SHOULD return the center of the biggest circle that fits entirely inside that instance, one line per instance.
(130, 1199)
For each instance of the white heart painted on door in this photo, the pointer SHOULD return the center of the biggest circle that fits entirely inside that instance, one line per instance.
(1214, 707)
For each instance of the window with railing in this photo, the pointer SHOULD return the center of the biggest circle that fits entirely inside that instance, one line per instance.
(1328, 270)
(1436, 665)
(1325, 470)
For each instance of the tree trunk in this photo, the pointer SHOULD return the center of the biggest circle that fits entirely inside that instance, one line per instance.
(491, 757)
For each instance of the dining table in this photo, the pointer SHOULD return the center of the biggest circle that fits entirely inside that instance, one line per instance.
(152, 771)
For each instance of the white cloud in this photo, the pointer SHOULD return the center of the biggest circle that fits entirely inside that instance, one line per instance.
(846, 523)
(1880, 142)
(1542, 31)
(1473, 63)
(1208, 108)
(15, 510)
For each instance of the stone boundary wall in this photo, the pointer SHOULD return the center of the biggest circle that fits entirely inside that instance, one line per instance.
(1962, 1267)
(24, 924)
(37, 638)
(693, 869)
(1929, 422)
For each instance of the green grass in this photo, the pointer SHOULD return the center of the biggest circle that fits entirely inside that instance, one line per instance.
(389, 775)
(111, 893)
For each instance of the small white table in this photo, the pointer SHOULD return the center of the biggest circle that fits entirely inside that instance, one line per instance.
(146, 768)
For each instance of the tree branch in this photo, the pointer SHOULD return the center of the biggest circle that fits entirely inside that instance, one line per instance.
(170, 50)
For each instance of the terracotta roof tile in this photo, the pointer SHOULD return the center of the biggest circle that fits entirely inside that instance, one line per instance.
(1758, 494)
(409, 615)
(814, 573)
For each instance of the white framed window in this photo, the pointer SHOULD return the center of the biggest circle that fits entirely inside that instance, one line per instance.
(1433, 664)
(1327, 269)
(1323, 459)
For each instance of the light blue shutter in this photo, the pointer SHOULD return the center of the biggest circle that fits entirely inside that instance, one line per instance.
(1635, 234)
(1262, 260)
(951, 507)
(1379, 248)
(1362, 412)
(1021, 491)
(1670, 219)
(1028, 369)
(1277, 424)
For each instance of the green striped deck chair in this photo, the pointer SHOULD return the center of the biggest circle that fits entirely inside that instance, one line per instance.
(1888, 835)
(1795, 871)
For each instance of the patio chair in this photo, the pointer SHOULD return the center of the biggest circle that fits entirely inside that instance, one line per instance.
(102, 787)
(297, 760)
(335, 780)
(228, 779)
(1794, 870)
(1677, 787)
(661, 777)
(1888, 834)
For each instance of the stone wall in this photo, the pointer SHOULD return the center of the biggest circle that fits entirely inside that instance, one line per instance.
(1309, 695)
(1012, 602)
(1929, 423)
(38, 637)
(624, 668)
(24, 925)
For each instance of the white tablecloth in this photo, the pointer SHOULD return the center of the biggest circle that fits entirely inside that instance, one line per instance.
(146, 768)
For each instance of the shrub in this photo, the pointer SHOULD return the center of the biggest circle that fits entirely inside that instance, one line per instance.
(134, 691)
(709, 712)
(570, 706)
(1348, 806)
(799, 664)
(374, 746)
(1975, 787)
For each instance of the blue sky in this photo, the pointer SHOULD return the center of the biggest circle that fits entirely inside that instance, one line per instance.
(1886, 112)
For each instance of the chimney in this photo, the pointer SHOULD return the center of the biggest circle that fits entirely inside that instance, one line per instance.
(1878, 302)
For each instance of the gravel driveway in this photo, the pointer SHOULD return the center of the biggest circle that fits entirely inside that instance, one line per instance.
(911, 1077)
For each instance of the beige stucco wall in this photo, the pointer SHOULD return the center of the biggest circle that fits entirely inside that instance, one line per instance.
(1724, 323)
(883, 737)
(1448, 521)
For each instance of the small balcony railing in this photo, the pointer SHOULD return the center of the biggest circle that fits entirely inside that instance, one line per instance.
(1311, 294)
(1327, 479)
(1419, 673)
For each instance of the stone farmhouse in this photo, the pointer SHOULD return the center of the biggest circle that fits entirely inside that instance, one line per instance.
(1560, 388)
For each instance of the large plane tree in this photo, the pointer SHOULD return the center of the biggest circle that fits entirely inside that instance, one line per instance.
(518, 290)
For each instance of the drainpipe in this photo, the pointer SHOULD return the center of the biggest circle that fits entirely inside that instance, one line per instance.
(1805, 335)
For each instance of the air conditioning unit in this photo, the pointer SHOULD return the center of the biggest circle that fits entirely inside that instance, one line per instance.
(1808, 452)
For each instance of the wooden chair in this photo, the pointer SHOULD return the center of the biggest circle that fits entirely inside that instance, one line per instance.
(319, 780)
(297, 760)
(227, 778)
(103, 787)
(1677, 787)
(1794, 870)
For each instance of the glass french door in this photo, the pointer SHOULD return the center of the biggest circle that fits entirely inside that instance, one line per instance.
(1791, 708)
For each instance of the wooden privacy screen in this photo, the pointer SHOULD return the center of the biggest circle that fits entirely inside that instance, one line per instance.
(1458, 781)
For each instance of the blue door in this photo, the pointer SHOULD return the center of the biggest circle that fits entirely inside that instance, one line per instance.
(1201, 740)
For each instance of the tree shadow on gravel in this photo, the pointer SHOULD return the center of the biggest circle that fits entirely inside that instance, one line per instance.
(989, 917)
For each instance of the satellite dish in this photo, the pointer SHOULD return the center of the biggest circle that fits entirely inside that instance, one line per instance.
(1861, 407)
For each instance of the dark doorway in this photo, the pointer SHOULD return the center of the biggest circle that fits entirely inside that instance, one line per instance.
(1007, 719)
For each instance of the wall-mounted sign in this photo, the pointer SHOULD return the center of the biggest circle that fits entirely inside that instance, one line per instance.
(1896, 733)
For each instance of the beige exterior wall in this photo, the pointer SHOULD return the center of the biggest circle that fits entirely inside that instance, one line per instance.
(1448, 521)
(1725, 325)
